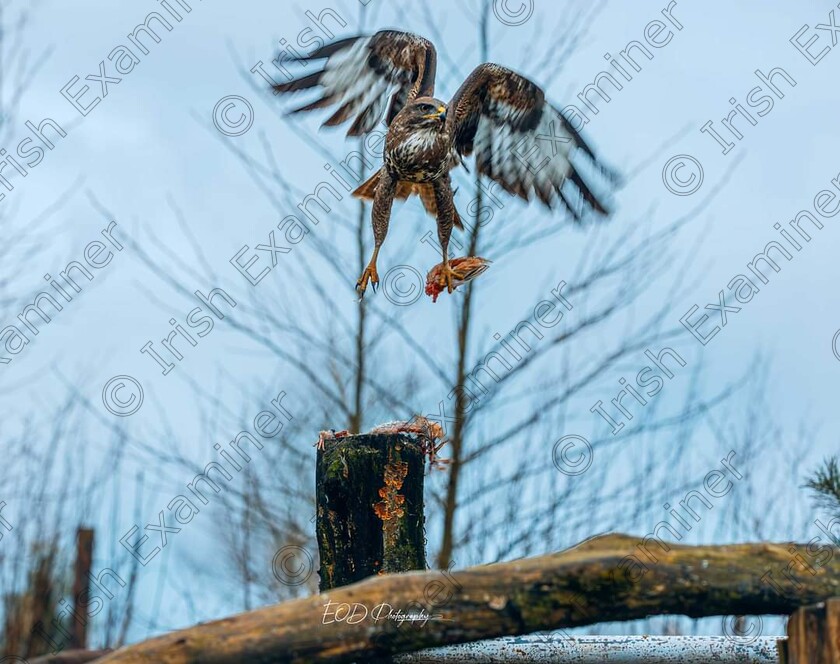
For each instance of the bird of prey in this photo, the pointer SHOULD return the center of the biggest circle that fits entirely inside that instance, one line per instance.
(497, 114)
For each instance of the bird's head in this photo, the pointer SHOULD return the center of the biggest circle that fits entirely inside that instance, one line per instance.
(427, 112)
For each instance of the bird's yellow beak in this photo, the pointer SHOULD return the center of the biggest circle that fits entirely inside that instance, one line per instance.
(440, 113)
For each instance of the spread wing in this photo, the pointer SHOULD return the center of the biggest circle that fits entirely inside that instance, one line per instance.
(362, 74)
(520, 140)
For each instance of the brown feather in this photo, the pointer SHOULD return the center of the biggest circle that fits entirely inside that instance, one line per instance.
(494, 98)
(300, 83)
(425, 191)
(586, 192)
(340, 115)
(391, 59)
(367, 190)
(327, 50)
(318, 103)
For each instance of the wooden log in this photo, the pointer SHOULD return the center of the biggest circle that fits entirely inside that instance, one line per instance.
(814, 635)
(81, 587)
(369, 496)
(70, 657)
(592, 582)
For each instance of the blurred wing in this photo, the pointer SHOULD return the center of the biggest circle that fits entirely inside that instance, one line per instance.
(520, 140)
(362, 74)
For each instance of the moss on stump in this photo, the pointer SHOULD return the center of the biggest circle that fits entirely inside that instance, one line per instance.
(369, 494)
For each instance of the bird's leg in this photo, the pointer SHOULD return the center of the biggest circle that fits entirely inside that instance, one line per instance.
(445, 220)
(446, 273)
(369, 274)
(380, 216)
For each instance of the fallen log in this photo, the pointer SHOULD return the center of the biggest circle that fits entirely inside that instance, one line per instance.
(607, 578)
(69, 657)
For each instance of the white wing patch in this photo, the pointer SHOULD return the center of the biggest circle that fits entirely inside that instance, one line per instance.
(527, 161)
(351, 83)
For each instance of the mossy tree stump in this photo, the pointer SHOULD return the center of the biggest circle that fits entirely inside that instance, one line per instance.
(369, 494)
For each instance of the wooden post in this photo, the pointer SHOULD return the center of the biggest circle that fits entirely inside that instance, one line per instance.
(81, 586)
(813, 635)
(369, 493)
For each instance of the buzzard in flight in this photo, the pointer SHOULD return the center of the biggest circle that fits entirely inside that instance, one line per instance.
(497, 114)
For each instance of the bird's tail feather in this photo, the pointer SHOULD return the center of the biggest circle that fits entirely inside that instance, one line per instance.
(367, 190)
(425, 191)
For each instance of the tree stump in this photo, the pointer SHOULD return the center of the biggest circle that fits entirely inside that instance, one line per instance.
(370, 520)
(813, 635)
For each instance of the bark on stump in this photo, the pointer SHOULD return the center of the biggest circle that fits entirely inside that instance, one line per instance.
(369, 493)
(813, 635)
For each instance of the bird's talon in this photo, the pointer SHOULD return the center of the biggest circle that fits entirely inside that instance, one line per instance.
(370, 275)
(446, 277)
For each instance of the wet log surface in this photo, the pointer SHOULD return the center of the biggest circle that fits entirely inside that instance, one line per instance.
(602, 579)
(68, 657)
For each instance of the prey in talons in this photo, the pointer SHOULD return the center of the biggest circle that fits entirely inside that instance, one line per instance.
(430, 436)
